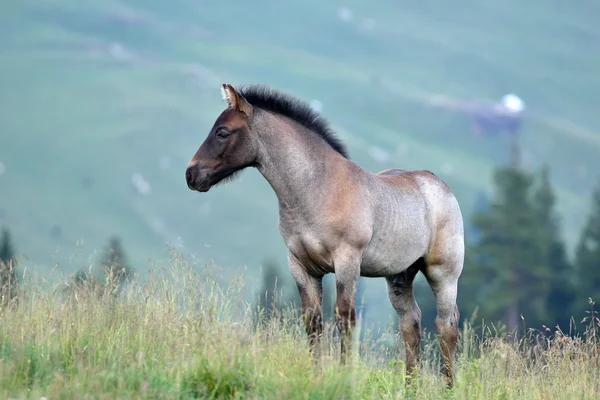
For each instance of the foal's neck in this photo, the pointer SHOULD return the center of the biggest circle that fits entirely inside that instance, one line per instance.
(296, 163)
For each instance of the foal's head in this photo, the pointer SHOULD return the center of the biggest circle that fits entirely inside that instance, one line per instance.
(229, 147)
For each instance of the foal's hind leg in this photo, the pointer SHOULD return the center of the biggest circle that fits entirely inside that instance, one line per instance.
(443, 279)
(400, 292)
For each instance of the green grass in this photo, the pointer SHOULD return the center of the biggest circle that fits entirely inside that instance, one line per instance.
(182, 334)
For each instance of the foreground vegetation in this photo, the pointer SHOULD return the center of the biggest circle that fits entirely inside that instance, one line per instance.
(181, 333)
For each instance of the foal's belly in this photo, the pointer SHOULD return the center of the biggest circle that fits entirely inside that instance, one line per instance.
(392, 253)
(394, 245)
(374, 265)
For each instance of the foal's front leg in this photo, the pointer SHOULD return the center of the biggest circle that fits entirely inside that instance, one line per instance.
(310, 289)
(347, 274)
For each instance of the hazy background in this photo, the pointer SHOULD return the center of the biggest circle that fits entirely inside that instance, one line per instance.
(103, 103)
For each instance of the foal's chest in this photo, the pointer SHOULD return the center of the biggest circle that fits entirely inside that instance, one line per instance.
(313, 252)
(312, 246)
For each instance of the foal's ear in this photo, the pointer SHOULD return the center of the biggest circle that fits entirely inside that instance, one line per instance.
(235, 100)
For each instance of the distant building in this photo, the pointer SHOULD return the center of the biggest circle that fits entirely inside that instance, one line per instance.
(506, 115)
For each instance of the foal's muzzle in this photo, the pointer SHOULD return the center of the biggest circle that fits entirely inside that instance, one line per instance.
(197, 179)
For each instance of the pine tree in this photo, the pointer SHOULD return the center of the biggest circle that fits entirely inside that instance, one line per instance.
(482, 205)
(505, 277)
(276, 292)
(114, 261)
(85, 278)
(7, 252)
(266, 296)
(588, 256)
(8, 264)
(559, 273)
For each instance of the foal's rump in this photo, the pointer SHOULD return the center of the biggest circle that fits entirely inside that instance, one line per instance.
(422, 183)
(443, 219)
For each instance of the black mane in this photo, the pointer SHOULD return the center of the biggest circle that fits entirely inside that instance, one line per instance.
(275, 101)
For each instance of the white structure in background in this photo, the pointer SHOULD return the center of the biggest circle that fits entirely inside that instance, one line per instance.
(2, 168)
(140, 184)
(345, 14)
(316, 105)
(513, 103)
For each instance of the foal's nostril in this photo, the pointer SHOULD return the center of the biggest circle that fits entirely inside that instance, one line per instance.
(189, 176)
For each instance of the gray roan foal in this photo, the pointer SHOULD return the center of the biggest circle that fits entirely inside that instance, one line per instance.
(336, 217)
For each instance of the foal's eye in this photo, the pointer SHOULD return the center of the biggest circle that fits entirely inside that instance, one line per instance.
(223, 134)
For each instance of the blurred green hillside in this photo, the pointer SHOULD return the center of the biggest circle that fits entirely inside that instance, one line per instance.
(94, 92)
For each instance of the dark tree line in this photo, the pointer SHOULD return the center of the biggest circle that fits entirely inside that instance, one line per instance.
(588, 253)
(113, 270)
(517, 270)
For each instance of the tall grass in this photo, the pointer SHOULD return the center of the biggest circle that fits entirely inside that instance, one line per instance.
(182, 333)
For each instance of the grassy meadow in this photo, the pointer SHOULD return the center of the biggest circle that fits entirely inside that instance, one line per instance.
(182, 333)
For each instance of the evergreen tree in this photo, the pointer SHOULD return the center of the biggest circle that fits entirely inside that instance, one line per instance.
(266, 297)
(276, 292)
(8, 265)
(482, 205)
(506, 278)
(86, 278)
(7, 252)
(559, 273)
(588, 256)
(114, 261)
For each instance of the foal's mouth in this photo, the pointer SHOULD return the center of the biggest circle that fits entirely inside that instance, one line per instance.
(202, 188)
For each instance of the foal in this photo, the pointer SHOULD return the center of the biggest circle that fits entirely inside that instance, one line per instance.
(336, 217)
